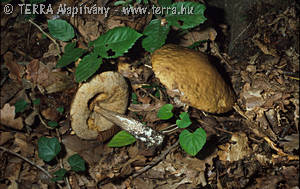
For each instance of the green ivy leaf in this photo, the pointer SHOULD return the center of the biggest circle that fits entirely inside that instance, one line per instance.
(156, 35)
(192, 143)
(60, 109)
(157, 94)
(122, 138)
(87, 67)
(77, 163)
(36, 101)
(48, 148)
(61, 29)
(186, 19)
(70, 55)
(20, 105)
(185, 120)
(165, 112)
(52, 124)
(116, 41)
(134, 98)
(59, 175)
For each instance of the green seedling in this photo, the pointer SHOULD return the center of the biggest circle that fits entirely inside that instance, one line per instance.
(191, 143)
(49, 148)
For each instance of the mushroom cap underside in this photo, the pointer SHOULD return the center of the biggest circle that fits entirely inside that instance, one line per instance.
(190, 73)
(108, 89)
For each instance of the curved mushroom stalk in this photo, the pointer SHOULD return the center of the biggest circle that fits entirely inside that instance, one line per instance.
(134, 127)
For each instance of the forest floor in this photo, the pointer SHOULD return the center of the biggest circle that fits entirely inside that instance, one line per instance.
(256, 145)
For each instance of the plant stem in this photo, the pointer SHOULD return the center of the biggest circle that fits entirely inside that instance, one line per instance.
(46, 34)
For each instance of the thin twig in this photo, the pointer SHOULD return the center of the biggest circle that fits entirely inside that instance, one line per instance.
(27, 160)
(159, 159)
(66, 178)
(46, 34)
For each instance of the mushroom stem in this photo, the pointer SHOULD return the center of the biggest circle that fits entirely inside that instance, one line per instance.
(134, 127)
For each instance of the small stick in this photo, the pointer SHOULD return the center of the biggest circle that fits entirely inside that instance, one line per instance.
(134, 127)
(159, 159)
(27, 160)
(46, 34)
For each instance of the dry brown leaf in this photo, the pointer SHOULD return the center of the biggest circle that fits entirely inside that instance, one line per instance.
(38, 73)
(50, 114)
(52, 51)
(5, 136)
(114, 21)
(236, 150)
(265, 49)
(252, 97)
(7, 117)
(16, 70)
(88, 29)
(22, 143)
(194, 36)
(62, 82)
(9, 89)
(291, 143)
(42, 74)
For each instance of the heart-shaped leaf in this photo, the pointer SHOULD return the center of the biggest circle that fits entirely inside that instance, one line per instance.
(59, 175)
(165, 112)
(20, 105)
(185, 120)
(77, 163)
(122, 138)
(48, 148)
(192, 143)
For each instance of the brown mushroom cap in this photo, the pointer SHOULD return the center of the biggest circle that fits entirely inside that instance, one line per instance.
(108, 89)
(190, 74)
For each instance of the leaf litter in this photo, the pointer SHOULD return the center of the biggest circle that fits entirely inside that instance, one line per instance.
(268, 108)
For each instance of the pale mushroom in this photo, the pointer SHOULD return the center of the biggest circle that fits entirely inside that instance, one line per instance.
(111, 91)
(98, 106)
(188, 75)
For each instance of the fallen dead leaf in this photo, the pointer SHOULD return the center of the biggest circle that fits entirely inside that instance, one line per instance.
(22, 143)
(50, 114)
(9, 89)
(16, 70)
(90, 30)
(291, 143)
(52, 51)
(236, 150)
(7, 117)
(194, 36)
(5, 136)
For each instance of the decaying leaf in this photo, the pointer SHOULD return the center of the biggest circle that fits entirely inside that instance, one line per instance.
(236, 150)
(198, 36)
(7, 117)
(291, 143)
(5, 136)
(52, 81)
(16, 70)
(52, 51)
